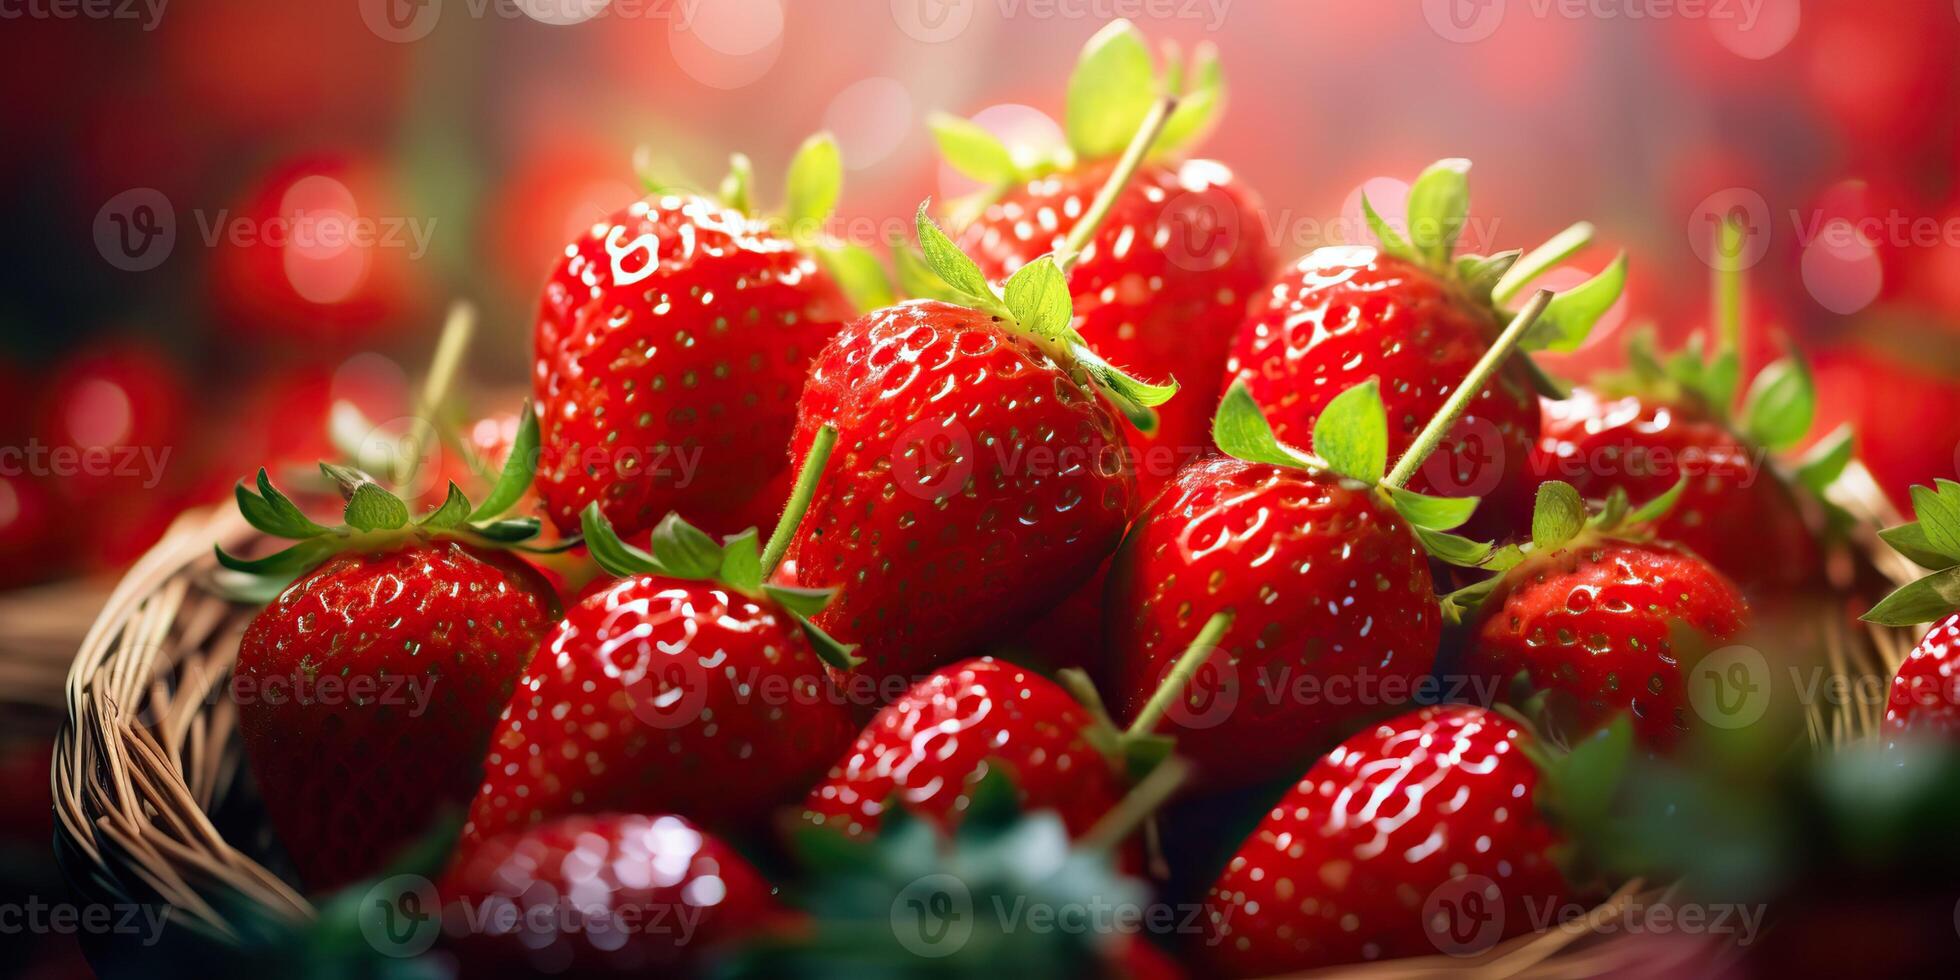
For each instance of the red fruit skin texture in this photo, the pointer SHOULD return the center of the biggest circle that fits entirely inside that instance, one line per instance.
(671, 345)
(1412, 810)
(1925, 698)
(1345, 314)
(1733, 513)
(662, 695)
(1159, 290)
(974, 484)
(437, 634)
(1602, 623)
(1325, 584)
(928, 748)
(635, 893)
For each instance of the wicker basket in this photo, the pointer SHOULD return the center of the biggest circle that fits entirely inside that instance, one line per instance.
(149, 752)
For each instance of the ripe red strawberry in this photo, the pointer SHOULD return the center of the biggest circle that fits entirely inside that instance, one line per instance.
(981, 477)
(1734, 511)
(1600, 621)
(687, 686)
(1418, 836)
(610, 895)
(930, 747)
(671, 344)
(1163, 284)
(1415, 318)
(368, 688)
(1925, 697)
(1670, 419)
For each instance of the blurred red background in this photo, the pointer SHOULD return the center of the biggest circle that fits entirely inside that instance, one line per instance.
(153, 152)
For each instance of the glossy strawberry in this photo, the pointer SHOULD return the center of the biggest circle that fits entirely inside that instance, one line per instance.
(1609, 625)
(671, 345)
(1415, 318)
(367, 691)
(1925, 698)
(1163, 283)
(977, 482)
(1160, 289)
(608, 895)
(1733, 511)
(1329, 585)
(662, 695)
(1418, 836)
(687, 686)
(927, 749)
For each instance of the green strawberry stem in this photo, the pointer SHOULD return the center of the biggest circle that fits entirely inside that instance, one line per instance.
(450, 346)
(1727, 314)
(1187, 665)
(1132, 810)
(1439, 426)
(799, 498)
(1119, 178)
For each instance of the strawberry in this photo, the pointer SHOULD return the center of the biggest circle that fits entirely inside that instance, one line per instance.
(927, 749)
(1420, 835)
(1414, 317)
(1164, 283)
(1925, 699)
(1606, 624)
(688, 686)
(1670, 419)
(671, 344)
(367, 689)
(982, 479)
(1322, 561)
(607, 895)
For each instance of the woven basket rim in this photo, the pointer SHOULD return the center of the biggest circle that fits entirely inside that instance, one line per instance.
(148, 744)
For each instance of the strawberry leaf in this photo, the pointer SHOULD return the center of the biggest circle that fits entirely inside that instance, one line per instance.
(1439, 201)
(840, 656)
(1110, 92)
(1826, 461)
(741, 562)
(372, 508)
(1781, 405)
(1037, 296)
(1719, 380)
(1198, 103)
(915, 279)
(615, 556)
(291, 562)
(1391, 241)
(802, 601)
(684, 550)
(1558, 517)
(1910, 540)
(1655, 509)
(1241, 431)
(1455, 549)
(1351, 434)
(738, 188)
(1479, 274)
(1570, 316)
(1938, 510)
(518, 470)
(1923, 601)
(972, 150)
(816, 178)
(454, 511)
(857, 273)
(1133, 396)
(272, 512)
(1540, 260)
(1433, 513)
(511, 530)
(955, 268)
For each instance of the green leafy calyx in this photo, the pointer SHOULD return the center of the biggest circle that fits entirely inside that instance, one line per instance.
(1932, 542)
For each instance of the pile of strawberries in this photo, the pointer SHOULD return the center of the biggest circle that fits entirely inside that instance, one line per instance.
(1323, 526)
